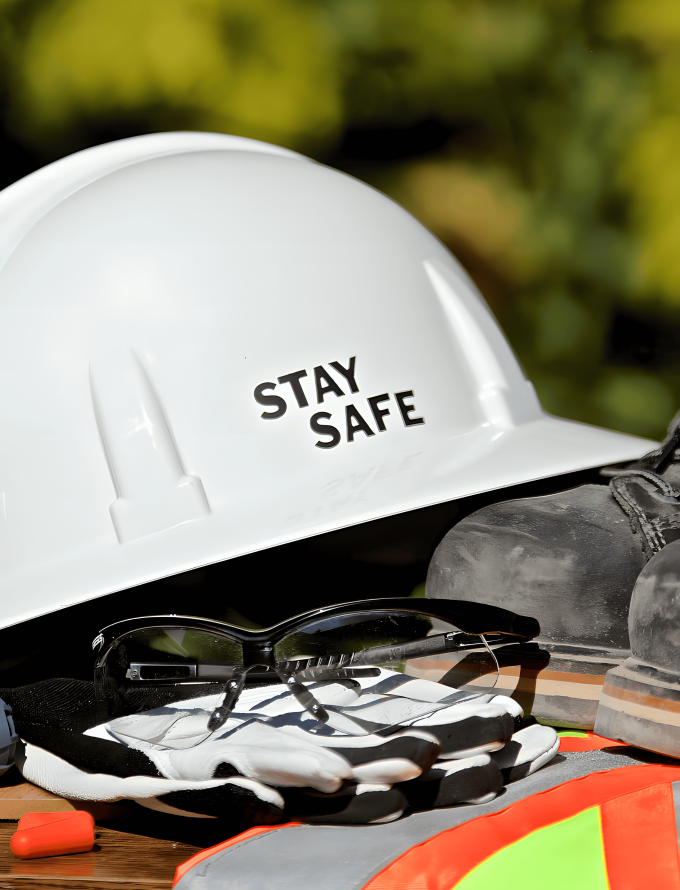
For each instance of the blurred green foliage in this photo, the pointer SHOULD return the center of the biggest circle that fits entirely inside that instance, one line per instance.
(538, 138)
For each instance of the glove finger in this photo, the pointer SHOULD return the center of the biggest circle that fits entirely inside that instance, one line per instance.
(511, 706)
(472, 780)
(378, 760)
(53, 773)
(374, 759)
(469, 729)
(240, 803)
(260, 752)
(527, 751)
(360, 804)
(392, 683)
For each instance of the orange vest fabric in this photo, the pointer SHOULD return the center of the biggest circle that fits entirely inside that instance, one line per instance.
(633, 816)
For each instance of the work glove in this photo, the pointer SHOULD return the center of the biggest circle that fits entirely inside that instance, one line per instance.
(413, 744)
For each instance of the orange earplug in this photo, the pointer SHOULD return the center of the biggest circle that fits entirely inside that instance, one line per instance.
(52, 834)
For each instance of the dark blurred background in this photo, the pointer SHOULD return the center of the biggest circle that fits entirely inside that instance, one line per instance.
(539, 139)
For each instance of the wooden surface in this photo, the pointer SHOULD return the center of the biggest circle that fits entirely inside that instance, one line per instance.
(18, 799)
(119, 858)
(22, 797)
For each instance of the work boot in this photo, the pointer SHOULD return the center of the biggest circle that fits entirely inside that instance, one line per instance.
(570, 560)
(648, 490)
(640, 702)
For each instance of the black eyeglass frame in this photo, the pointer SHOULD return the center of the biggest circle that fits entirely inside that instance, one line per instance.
(479, 625)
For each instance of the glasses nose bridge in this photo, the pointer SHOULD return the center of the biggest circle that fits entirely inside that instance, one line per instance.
(258, 652)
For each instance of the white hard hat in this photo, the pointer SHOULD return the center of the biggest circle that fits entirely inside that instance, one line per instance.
(212, 346)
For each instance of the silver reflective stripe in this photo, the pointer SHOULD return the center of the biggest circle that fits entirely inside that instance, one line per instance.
(346, 857)
(676, 802)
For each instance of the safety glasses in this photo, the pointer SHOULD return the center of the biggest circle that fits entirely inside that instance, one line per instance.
(341, 642)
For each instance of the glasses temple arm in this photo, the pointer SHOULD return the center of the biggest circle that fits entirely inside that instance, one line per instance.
(322, 673)
(437, 644)
(349, 666)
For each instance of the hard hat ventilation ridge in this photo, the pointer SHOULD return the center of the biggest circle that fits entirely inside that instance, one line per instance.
(154, 493)
(490, 362)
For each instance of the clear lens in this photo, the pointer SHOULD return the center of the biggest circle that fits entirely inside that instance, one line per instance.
(174, 654)
(350, 645)
(356, 634)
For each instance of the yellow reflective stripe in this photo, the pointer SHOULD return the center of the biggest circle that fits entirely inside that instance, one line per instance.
(563, 856)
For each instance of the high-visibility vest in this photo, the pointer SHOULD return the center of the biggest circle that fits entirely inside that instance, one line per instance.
(609, 830)
(612, 830)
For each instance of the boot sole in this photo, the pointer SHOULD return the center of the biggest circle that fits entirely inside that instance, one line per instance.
(641, 709)
(556, 683)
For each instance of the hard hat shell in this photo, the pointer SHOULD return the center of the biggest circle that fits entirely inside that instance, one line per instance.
(213, 346)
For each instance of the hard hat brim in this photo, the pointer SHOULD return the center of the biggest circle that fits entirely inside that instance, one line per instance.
(487, 459)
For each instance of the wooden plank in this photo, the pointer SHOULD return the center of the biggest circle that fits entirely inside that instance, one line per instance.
(17, 800)
(119, 858)
(18, 797)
